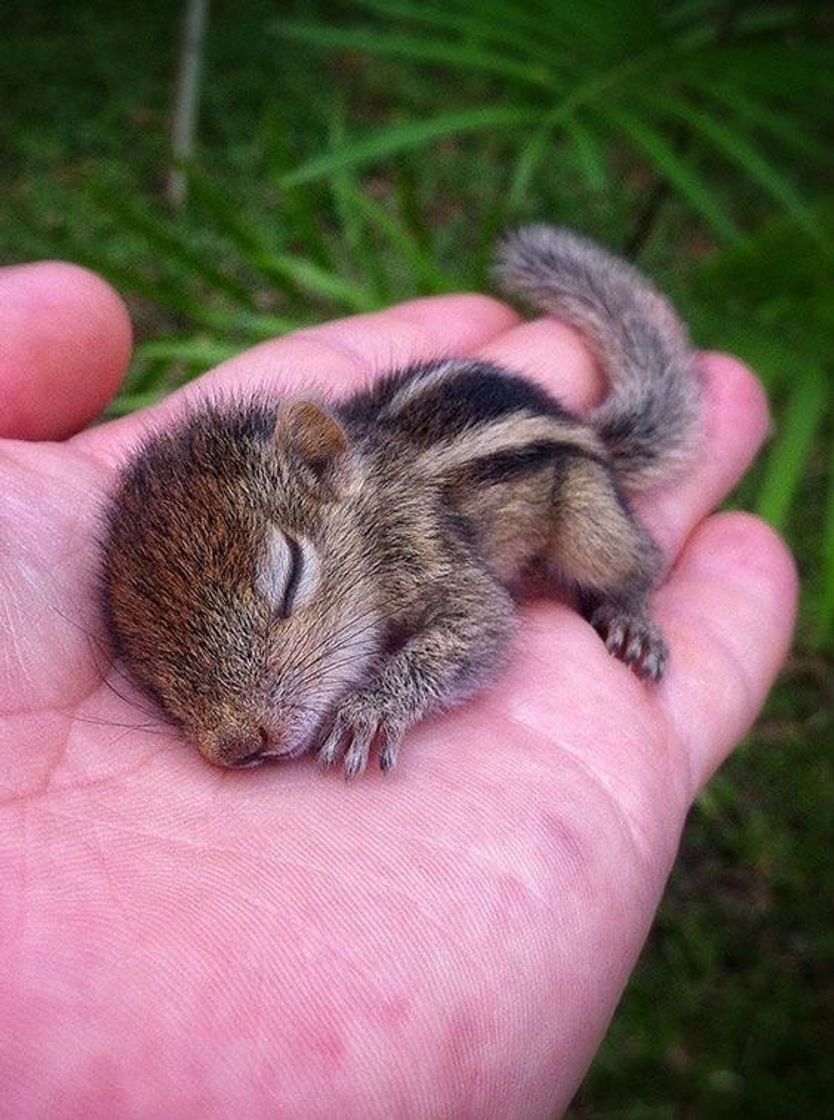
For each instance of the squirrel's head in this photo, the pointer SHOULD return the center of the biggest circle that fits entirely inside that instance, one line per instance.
(235, 583)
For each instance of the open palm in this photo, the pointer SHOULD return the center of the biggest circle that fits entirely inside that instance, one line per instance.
(448, 940)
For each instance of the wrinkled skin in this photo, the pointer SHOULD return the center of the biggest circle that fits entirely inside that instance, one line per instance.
(448, 940)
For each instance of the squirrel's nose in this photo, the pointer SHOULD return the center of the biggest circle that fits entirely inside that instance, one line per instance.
(241, 751)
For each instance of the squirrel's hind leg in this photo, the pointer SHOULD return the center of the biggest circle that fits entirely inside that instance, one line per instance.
(599, 546)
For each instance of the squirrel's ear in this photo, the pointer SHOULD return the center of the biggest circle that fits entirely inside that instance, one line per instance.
(315, 436)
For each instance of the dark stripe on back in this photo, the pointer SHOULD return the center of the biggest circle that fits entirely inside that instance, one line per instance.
(477, 393)
(514, 463)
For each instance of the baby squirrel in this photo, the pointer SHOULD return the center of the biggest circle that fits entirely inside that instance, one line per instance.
(282, 575)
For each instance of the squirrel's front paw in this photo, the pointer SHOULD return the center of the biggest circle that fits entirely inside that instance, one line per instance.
(358, 724)
(632, 637)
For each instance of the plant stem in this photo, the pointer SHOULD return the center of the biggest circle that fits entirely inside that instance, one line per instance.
(186, 101)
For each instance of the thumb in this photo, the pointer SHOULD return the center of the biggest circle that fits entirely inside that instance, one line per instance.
(65, 341)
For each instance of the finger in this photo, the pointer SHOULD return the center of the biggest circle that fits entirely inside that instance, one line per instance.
(64, 346)
(335, 358)
(343, 354)
(552, 354)
(417, 330)
(736, 419)
(728, 609)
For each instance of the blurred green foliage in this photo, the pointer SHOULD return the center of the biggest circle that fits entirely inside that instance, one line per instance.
(354, 154)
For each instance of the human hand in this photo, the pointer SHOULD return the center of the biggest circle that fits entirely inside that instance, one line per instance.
(447, 940)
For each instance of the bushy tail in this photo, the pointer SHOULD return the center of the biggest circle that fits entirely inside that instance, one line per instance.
(650, 418)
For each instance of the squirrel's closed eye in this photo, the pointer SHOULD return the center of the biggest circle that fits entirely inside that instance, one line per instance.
(288, 572)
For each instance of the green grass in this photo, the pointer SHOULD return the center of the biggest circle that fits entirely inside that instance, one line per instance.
(313, 194)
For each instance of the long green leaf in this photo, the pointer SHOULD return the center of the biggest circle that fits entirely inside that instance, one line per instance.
(774, 262)
(478, 23)
(386, 142)
(256, 328)
(679, 173)
(406, 190)
(255, 245)
(170, 296)
(491, 225)
(299, 210)
(225, 216)
(549, 22)
(421, 262)
(532, 153)
(733, 144)
(789, 128)
(125, 403)
(243, 325)
(420, 48)
(175, 243)
(790, 73)
(202, 352)
(793, 446)
(342, 187)
(318, 281)
(345, 189)
(590, 154)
